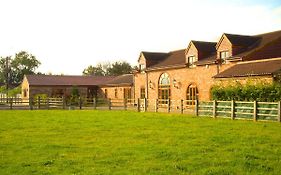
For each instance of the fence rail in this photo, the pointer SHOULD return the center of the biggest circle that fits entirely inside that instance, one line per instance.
(266, 111)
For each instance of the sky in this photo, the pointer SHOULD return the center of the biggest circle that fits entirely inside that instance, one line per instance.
(67, 36)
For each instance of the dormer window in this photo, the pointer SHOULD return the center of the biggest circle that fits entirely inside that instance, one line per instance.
(223, 56)
(141, 67)
(191, 61)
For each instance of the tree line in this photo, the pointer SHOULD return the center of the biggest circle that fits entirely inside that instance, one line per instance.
(107, 69)
(13, 68)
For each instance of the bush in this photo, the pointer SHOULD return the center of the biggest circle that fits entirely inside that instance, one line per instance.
(42, 96)
(259, 91)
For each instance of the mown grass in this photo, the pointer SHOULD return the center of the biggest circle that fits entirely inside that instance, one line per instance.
(119, 142)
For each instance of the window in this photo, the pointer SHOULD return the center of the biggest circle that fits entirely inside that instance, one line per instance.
(127, 93)
(191, 61)
(223, 56)
(105, 93)
(141, 67)
(116, 93)
(191, 94)
(164, 91)
(142, 93)
(24, 92)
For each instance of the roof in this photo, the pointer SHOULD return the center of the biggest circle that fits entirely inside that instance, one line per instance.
(126, 79)
(241, 40)
(203, 46)
(153, 58)
(207, 60)
(207, 50)
(252, 68)
(270, 49)
(174, 58)
(262, 46)
(66, 80)
(255, 47)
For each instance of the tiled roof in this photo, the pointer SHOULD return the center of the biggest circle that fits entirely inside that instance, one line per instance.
(207, 47)
(270, 50)
(253, 68)
(207, 52)
(208, 60)
(174, 58)
(67, 80)
(153, 58)
(241, 40)
(262, 46)
(126, 79)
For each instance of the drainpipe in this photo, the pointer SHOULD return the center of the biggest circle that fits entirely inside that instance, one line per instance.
(134, 85)
(218, 67)
(146, 85)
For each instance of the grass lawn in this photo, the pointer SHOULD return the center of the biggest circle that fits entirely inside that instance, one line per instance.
(119, 142)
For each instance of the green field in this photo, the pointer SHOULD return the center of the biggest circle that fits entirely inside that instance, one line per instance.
(120, 142)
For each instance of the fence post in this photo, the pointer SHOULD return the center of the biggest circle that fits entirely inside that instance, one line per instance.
(11, 103)
(156, 105)
(181, 107)
(145, 104)
(95, 103)
(39, 102)
(109, 104)
(80, 103)
(125, 104)
(196, 107)
(31, 103)
(48, 102)
(138, 104)
(63, 102)
(232, 110)
(214, 109)
(279, 111)
(255, 111)
(169, 104)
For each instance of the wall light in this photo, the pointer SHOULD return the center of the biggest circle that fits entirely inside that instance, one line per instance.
(151, 85)
(176, 84)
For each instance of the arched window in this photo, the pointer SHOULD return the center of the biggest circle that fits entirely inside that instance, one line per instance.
(191, 94)
(164, 91)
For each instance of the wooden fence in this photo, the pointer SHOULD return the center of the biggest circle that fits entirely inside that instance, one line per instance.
(241, 110)
(266, 111)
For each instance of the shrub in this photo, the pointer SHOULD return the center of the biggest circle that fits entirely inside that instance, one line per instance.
(259, 91)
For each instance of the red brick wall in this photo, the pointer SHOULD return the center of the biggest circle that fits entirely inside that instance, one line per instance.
(200, 75)
(192, 51)
(140, 82)
(224, 45)
(111, 92)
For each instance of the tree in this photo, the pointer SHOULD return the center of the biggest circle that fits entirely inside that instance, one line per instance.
(23, 63)
(13, 69)
(119, 68)
(94, 70)
(5, 69)
(103, 69)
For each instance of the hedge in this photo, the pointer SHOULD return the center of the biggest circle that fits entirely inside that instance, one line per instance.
(250, 91)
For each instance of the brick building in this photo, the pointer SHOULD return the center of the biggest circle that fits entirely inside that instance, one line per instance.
(190, 73)
(186, 74)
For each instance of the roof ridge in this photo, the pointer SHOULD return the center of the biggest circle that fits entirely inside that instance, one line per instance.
(238, 35)
(261, 34)
(257, 61)
(203, 41)
(176, 50)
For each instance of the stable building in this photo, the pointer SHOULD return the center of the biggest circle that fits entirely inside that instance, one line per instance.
(190, 73)
(87, 86)
(185, 74)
